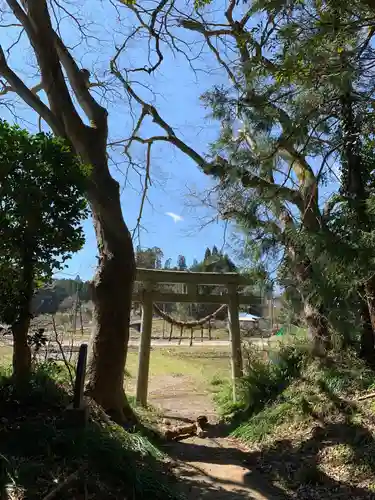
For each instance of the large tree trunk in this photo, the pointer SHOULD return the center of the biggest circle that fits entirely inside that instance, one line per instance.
(317, 327)
(367, 347)
(112, 285)
(21, 353)
(354, 180)
(370, 296)
(20, 329)
(303, 272)
(112, 292)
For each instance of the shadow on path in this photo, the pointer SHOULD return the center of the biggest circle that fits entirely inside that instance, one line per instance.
(216, 468)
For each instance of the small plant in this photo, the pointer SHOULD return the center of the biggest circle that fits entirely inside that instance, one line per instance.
(217, 381)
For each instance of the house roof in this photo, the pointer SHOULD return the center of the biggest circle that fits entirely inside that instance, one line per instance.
(248, 317)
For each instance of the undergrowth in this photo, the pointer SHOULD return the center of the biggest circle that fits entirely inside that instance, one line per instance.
(290, 385)
(39, 450)
(304, 423)
(300, 391)
(263, 381)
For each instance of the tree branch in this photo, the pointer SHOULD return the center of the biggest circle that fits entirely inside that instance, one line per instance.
(147, 184)
(152, 31)
(43, 43)
(29, 96)
(94, 112)
(241, 35)
(22, 17)
(219, 168)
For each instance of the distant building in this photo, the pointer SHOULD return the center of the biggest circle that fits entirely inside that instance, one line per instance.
(248, 321)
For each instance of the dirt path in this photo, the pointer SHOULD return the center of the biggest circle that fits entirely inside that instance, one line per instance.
(215, 467)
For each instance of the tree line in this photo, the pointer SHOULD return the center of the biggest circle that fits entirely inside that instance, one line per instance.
(62, 294)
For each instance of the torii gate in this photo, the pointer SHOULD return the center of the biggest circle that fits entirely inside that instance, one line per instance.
(148, 295)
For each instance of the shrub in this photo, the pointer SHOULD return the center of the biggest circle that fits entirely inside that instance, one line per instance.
(264, 379)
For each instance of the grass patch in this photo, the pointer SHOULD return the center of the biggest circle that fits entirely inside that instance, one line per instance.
(5, 355)
(200, 364)
(38, 450)
(304, 424)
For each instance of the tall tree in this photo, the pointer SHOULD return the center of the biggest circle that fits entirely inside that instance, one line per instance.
(67, 89)
(254, 99)
(168, 263)
(149, 258)
(181, 263)
(284, 111)
(334, 57)
(42, 205)
(207, 254)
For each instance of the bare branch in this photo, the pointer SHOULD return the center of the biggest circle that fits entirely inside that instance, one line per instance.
(28, 95)
(152, 31)
(219, 168)
(42, 41)
(7, 88)
(147, 184)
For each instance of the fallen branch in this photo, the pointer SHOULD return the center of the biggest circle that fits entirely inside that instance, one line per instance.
(366, 396)
(70, 479)
(181, 431)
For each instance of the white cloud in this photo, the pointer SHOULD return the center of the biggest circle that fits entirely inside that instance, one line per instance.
(175, 217)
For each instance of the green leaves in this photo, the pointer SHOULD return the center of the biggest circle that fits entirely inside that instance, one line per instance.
(199, 4)
(42, 206)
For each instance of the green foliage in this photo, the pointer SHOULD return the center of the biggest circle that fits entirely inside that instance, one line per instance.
(37, 446)
(149, 258)
(296, 390)
(264, 379)
(199, 4)
(302, 98)
(42, 207)
(181, 263)
(49, 298)
(214, 261)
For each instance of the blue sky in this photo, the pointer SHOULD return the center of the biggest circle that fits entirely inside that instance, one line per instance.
(175, 89)
(174, 176)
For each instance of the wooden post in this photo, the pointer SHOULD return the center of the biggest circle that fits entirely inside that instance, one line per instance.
(163, 322)
(77, 413)
(235, 335)
(144, 346)
(80, 377)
